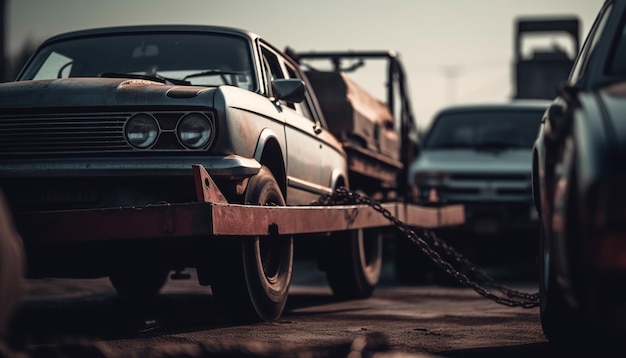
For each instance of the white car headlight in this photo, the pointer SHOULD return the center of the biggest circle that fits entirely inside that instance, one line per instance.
(195, 130)
(142, 131)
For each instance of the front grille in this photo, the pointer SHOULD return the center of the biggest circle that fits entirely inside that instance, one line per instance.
(82, 133)
(62, 133)
(490, 176)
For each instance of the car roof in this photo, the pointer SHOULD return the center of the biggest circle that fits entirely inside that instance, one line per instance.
(152, 28)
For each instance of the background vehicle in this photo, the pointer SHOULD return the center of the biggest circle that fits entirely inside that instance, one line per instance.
(578, 187)
(540, 72)
(117, 117)
(378, 134)
(479, 155)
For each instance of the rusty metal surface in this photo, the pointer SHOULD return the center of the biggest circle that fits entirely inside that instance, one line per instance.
(227, 219)
(206, 189)
(219, 219)
(154, 221)
(213, 215)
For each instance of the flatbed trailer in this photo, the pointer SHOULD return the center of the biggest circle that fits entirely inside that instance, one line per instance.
(99, 174)
(213, 216)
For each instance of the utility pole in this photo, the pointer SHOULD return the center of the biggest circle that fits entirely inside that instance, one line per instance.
(451, 73)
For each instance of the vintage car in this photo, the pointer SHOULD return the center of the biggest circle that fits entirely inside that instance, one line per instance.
(578, 181)
(116, 117)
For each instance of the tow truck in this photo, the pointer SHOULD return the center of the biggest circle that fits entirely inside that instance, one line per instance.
(134, 152)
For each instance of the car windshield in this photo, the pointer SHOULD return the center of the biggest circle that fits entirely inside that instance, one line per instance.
(184, 58)
(494, 129)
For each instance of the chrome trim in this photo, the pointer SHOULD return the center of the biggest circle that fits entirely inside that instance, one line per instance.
(308, 186)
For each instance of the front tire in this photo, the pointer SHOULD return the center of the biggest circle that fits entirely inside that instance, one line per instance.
(251, 275)
(561, 321)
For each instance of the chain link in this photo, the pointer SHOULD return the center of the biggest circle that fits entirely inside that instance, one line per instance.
(442, 255)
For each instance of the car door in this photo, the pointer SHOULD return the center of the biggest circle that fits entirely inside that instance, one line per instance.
(303, 147)
(332, 157)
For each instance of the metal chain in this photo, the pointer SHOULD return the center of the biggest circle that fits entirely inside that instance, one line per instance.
(443, 255)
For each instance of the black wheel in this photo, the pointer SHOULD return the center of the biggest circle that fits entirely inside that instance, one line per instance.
(560, 320)
(252, 275)
(139, 282)
(557, 316)
(353, 262)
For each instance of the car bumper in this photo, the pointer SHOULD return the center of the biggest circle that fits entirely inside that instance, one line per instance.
(498, 218)
(217, 166)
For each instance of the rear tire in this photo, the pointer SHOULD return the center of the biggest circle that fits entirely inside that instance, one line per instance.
(354, 263)
(560, 320)
(251, 275)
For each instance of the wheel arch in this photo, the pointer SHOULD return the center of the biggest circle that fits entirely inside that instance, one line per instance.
(270, 153)
(339, 179)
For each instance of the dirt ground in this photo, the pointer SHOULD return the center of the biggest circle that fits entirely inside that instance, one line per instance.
(420, 321)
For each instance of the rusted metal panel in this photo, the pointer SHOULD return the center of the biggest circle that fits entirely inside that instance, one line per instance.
(155, 221)
(451, 215)
(206, 190)
(228, 219)
(220, 219)
(214, 216)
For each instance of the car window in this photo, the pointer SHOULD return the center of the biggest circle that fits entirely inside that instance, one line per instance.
(304, 107)
(273, 70)
(484, 129)
(201, 59)
(589, 45)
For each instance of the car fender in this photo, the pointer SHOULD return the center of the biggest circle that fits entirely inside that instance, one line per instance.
(538, 170)
(592, 144)
(583, 156)
(271, 153)
(242, 117)
(339, 178)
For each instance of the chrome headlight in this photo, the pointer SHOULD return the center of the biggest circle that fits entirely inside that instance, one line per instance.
(195, 130)
(142, 131)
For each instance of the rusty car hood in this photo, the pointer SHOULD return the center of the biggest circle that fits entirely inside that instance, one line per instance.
(99, 92)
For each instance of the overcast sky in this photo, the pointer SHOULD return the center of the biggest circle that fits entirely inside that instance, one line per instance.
(454, 51)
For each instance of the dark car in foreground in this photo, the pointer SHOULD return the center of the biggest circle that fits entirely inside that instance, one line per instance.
(578, 177)
(116, 117)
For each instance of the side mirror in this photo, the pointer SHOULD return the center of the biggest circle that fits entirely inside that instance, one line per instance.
(290, 90)
(557, 118)
(556, 111)
(559, 112)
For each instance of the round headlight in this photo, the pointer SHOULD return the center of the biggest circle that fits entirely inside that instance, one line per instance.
(195, 130)
(142, 131)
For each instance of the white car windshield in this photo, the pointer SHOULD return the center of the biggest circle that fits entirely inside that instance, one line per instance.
(501, 129)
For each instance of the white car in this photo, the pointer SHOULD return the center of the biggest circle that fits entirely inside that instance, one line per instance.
(479, 155)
